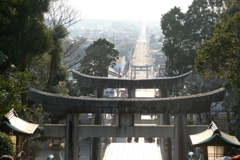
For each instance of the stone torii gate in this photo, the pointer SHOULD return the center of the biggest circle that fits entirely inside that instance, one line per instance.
(141, 68)
(126, 108)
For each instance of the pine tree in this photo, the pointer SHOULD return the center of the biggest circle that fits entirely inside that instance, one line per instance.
(99, 56)
(173, 31)
(25, 36)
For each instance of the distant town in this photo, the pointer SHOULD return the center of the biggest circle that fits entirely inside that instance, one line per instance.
(122, 33)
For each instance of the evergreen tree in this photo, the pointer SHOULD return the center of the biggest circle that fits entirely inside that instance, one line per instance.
(11, 88)
(25, 36)
(232, 7)
(217, 6)
(184, 33)
(6, 145)
(173, 30)
(59, 18)
(99, 56)
(7, 10)
(198, 22)
(58, 71)
(220, 54)
(198, 27)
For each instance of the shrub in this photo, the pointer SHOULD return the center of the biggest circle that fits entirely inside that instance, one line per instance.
(35, 148)
(6, 145)
(190, 122)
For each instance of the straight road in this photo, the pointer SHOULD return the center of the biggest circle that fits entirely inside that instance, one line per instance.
(141, 56)
(122, 150)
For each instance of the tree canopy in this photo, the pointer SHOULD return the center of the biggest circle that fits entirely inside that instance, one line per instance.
(99, 56)
(184, 31)
(58, 19)
(172, 26)
(220, 55)
(58, 71)
(25, 36)
(6, 145)
(7, 10)
(11, 88)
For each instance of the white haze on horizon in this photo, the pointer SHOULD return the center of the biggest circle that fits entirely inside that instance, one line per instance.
(127, 9)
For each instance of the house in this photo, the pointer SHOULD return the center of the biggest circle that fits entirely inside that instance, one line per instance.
(120, 64)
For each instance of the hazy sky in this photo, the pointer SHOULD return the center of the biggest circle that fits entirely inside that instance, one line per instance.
(127, 9)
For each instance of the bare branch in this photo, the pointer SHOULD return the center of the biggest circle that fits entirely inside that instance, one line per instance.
(74, 51)
(62, 13)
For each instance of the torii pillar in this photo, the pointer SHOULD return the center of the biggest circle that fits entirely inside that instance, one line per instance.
(96, 149)
(180, 136)
(166, 144)
(71, 138)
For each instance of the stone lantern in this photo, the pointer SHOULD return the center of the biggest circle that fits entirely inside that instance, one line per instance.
(215, 143)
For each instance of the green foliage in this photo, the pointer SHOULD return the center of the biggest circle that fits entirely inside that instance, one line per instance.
(172, 26)
(7, 10)
(74, 88)
(25, 36)
(190, 122)
(235, 102)
(39, 134)
(6, 145)
(99, 56)
(39, 71)
(11, 88)
(57, 117)
(35, 148)
(233, 129)
(198, 26)
(2, 58)
(220, 54)
(233, 6)
(197, 84)
(58, 71)
(58, 89)
(183, 32)
(59, 32)
(200, 84)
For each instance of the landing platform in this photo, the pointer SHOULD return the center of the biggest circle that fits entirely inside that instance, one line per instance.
(132, 151)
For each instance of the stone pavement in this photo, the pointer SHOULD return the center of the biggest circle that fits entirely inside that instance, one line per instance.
(84, 149)
(147, 150)
(132, 151)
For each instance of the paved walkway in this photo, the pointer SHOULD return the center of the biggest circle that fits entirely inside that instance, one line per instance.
(132, 151)
(114, 151)
(84, 147)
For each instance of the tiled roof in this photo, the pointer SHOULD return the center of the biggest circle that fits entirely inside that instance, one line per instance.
(11, 122)
(213, 135)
